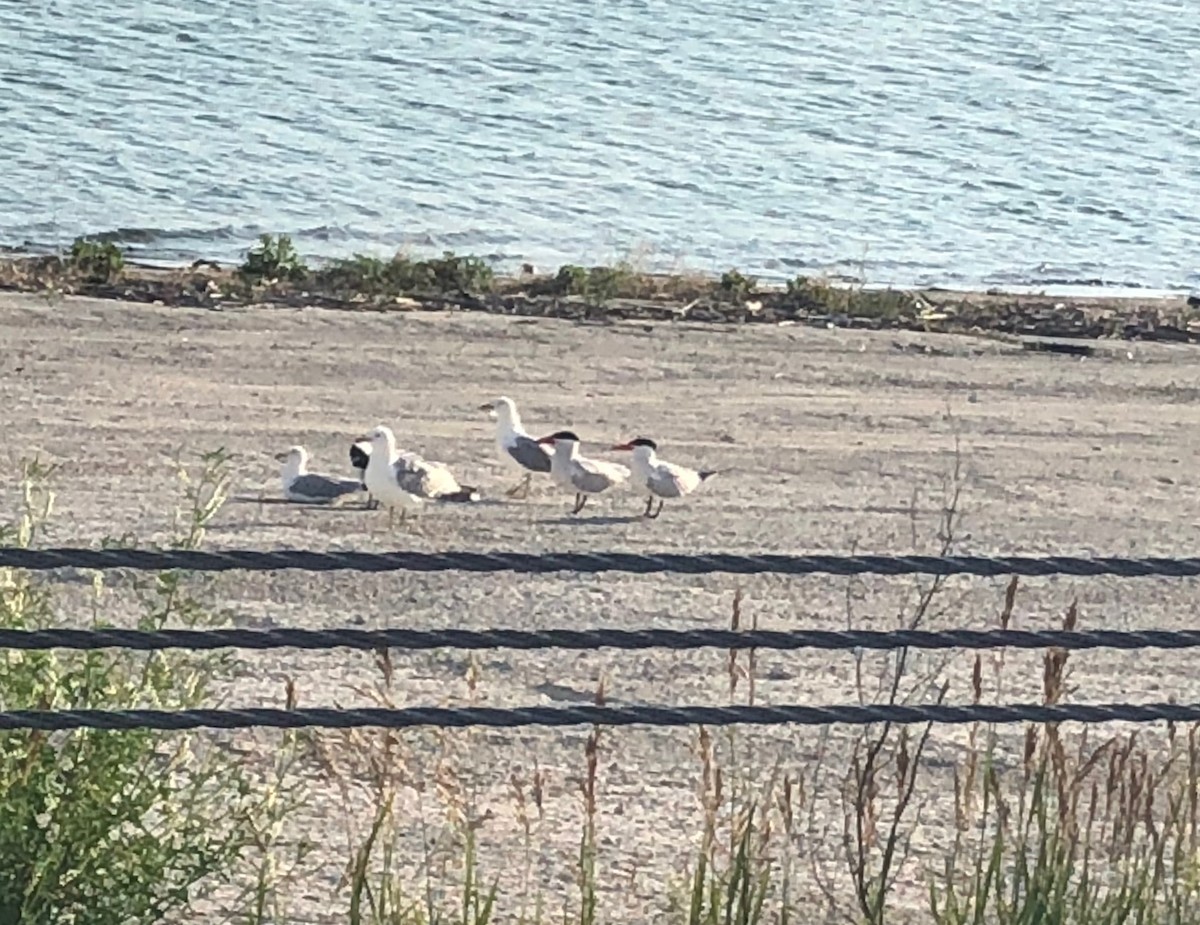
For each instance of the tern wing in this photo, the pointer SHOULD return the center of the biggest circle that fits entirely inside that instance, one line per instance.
(593, 475)
(668, 480)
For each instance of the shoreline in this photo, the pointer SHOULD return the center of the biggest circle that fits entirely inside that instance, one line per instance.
(274, 276)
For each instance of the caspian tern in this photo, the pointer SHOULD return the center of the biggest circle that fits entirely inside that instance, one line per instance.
(516, 447)
(582, 475)
(406, 480)
(306, 487)
(659, 477)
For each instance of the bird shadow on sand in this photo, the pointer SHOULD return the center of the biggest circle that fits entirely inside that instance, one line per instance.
(582, 520)
(481, 502)
(316, 506)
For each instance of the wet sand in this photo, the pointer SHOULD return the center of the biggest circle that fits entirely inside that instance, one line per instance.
(830, 436)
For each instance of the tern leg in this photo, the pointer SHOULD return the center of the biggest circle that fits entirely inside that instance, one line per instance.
(649, 501)
(580, 501)
(656, 513)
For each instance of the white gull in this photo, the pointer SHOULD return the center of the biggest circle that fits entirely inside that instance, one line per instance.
(311, 487)
(517, 448)
(405, 481)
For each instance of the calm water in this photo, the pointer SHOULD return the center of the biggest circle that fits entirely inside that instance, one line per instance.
(946, 142)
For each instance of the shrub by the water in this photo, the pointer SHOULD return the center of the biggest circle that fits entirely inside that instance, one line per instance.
(737, 285)
(96, 261)
(273, 259)
(400, 276)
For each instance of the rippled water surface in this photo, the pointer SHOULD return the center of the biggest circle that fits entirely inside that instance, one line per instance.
(946, 142)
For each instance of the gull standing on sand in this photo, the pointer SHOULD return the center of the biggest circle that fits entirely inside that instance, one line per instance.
(306, 487)
(516, 447)
(581, 475)
(405, 480)
(659, 477)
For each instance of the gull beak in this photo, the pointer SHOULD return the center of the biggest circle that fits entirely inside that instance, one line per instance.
(487, 406)
(281, 457)
(365, 438)
(621, 446)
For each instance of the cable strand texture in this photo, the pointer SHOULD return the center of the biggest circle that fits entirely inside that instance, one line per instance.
(594, 562)
(583, 714)
(584, 640)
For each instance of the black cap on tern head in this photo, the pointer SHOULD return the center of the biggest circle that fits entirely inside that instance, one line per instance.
(639, 441)
(560, 435)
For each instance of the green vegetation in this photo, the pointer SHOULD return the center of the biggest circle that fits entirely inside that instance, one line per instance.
(736, 285)
(121, 827)
(402, 276)
(853, 301)
(95, 261)
(273, 273)
(600, 284)
(273, 260)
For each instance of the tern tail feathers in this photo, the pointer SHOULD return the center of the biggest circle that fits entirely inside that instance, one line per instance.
(706, 474)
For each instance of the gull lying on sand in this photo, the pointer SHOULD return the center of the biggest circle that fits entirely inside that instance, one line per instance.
(310, 487)
(516, 447)
(578, 473)
(659, 477)
(405, 480)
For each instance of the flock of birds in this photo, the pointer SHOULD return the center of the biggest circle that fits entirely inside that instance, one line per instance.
(405, 481)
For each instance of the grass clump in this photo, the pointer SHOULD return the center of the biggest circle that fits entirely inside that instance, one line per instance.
(401, 275)
(806, 293)
(376, 764)
(116, 827)
(600, 284)
(1077, 833)
(273, 259)
(736, 286)
(95, 261)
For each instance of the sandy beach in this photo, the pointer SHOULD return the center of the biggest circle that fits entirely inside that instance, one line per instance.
(836, 440)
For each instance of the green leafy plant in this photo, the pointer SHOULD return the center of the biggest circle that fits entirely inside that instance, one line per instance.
(273, 259)
(114, 827)
(734, 284)
(95, 261)
(450, 273)
(371, 276)
(599, 284)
